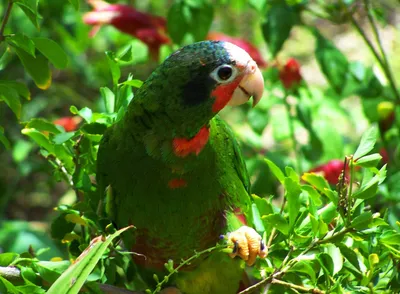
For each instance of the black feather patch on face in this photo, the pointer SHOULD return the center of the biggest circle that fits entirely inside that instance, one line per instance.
(198, 90)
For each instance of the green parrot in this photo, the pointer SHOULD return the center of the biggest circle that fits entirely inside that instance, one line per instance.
(173, 169)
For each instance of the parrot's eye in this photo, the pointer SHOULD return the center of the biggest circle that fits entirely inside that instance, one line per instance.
(224, 73)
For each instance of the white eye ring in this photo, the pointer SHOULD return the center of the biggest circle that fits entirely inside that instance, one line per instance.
(224, 74)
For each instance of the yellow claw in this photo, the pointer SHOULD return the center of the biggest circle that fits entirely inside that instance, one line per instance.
(248, 245)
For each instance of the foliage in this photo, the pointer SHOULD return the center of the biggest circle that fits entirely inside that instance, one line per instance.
(330, 218)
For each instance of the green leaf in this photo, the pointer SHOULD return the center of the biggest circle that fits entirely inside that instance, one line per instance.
(72, 280)
(9, 288)
(38, 68)
(29, 7)
(39, 138)
(114, 67)
(277, 221)
(21, 88)
(62, 137)
(368, 190)
(126, 54)
(23, 42)
(50, 271)
(3, 139)
(276, 171)
(332, 62)
(292, 194)
(42, 125)
(7, 258)
(201, 20)
(321, 185)
(336, 256)
(53, 52)
(367, 143)
(258, 224)
(350, 255)
(81, 180)
(390, 238)
(371, 160)
(75, 3)
(258, 119)
(86, 113)
(108, 98)
(304, 266)
(264, 206)
(60, 226)
(133, 83)
(11, 97)
(176, 23)
(258, 4)
(278, 23)
(313, 194)
(361, 222)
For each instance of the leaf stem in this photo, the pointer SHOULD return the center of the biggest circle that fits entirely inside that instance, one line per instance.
(273, 231)
(297, 287)
(383, 61)
(5, 20)
(292, 134)
(350, 192)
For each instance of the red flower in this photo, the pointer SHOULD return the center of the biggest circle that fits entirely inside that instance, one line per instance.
(70, 123)
(331, 170)
(245, 45)
(148, 28)
(385, 157)
(290, 74)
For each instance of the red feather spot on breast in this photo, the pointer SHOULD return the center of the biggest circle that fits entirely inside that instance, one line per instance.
(177, 183)
(183, 147)
(222, 94)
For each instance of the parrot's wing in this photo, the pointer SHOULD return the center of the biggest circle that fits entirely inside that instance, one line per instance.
(237, 158)
(237, 184)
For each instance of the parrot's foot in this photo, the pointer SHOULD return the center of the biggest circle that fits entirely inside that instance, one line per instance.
(248, 245)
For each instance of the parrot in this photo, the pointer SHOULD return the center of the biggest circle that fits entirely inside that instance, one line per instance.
(172, 168)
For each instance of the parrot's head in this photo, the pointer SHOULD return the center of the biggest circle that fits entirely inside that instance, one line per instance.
(193, 84)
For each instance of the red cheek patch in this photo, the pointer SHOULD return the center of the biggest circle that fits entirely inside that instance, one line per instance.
(183, 147)
(222, 94)
(177, 183)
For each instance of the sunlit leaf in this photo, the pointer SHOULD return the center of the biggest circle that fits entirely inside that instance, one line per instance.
(72, 280)
(367, 143)
(53, 52)
(23, 42)
(38, 68)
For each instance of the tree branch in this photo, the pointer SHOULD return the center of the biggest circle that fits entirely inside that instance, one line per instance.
(297, 287)
(5, 19)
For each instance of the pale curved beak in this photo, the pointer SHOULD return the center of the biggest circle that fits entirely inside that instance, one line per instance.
(252, 85)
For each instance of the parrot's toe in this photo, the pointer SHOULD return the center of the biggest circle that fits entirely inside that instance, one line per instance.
(248, 245)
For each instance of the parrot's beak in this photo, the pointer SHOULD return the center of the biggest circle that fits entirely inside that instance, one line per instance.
(252, 85)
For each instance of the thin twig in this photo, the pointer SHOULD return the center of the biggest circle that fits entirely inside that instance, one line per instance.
(292, 134)
(387, 68)
(272, 236)
(5, 19)
(297, 287)
(381, 62)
